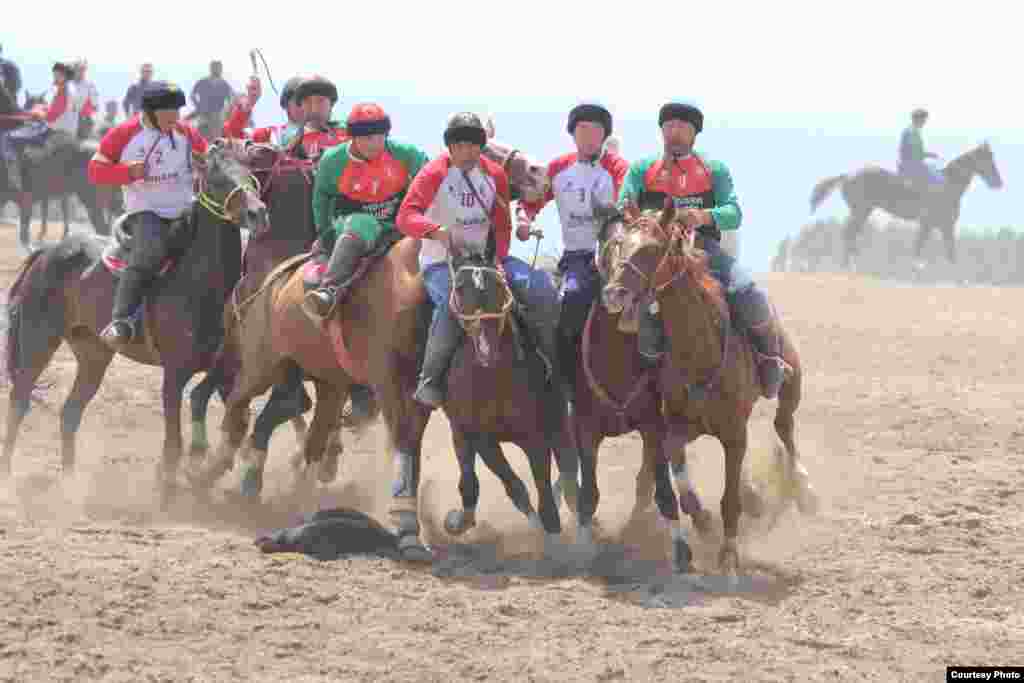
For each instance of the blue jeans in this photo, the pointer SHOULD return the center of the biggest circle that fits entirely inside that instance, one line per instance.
(532, 289)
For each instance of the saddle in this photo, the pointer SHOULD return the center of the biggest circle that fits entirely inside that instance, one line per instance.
(314, 269)
(117, 252)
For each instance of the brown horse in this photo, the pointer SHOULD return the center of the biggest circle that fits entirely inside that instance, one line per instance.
(64, 292)
(498, 393)
(871, 188)
(374, 337)
(708, 384)
(614, 395)
(286, 188)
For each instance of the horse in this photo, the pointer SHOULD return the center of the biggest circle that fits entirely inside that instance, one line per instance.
(497, 393)
(286, 189)
(387, 299)
(58, 175)
(873, 187)
(64, 292)
(708, 383)
(614, 394)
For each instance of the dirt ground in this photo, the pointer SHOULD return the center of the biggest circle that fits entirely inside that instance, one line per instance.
(910, 427)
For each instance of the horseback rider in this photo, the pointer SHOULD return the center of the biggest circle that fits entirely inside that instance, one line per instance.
(151, 155)
(359, 187)
(10, 81)
(89, 97)
(237, 122)
(913, 164)
(54, 126)
(702, 191)
(472, 207)
(592, 174)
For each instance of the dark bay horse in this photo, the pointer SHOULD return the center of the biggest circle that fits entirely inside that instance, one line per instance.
(871, 188)
(707, 383)
(65, 293)
(286, 185)
(498, 393)
(63, 173)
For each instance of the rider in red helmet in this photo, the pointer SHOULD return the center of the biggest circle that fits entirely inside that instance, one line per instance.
(359, 187)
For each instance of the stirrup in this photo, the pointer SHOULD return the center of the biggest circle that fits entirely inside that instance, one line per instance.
(311, 302)
(111, 335)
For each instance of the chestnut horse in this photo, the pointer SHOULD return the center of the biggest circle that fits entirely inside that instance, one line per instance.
(707, 383)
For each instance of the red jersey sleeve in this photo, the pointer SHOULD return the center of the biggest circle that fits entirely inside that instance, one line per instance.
(412, 219)
(501, 219)
(113, 172)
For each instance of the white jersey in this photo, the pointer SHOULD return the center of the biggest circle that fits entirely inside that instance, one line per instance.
(166, 189)
(575, 185)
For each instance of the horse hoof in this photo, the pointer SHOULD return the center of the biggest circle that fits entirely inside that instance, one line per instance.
(412, 550)
(458, 522)
(682, 557)
(807, 500)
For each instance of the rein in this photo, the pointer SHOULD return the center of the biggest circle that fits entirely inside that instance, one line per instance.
(468, 321)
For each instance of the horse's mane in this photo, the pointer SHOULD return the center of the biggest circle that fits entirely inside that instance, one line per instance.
(680, 257)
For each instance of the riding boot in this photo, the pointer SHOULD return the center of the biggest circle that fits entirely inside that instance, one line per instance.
(651, 340)
(545, 336)
(319, 303)
(444, 339)
(121, 330)
(755, 314)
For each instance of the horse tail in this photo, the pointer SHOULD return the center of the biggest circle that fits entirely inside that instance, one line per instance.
(823, 189)
(34, 315)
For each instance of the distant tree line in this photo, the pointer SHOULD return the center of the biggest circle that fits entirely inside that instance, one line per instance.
(993, 256)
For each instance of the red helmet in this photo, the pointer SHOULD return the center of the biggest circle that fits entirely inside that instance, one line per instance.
(367, 118)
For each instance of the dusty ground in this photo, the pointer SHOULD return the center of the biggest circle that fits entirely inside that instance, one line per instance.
(910, 428)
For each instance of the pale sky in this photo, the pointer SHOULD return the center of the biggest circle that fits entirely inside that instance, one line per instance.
(858, 65)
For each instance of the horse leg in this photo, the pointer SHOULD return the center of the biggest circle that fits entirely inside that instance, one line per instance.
(735, 451)
(807, 499)
(567, 457)
(851, 231)
(284, 403)
(199, 401)
(665, 498)
(93, 358)
(329, 400)
(950, 239)
(539, 456)
(587, 443)
(249, 383)
(30, 365)
(175, 380)
(406, 420)
(457, 522)
(689, 501)
(924, 231)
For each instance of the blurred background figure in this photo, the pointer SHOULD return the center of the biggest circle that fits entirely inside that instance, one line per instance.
(210, 97)
(88, 99)
(132, 103)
